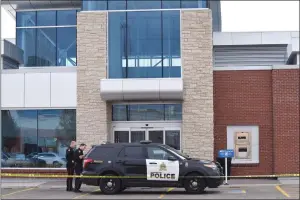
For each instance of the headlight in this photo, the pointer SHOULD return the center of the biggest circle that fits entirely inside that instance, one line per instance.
(211, 165)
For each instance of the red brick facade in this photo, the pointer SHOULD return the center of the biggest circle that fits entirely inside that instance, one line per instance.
(268, 99)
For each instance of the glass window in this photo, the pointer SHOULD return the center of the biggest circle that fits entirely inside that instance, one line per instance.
(142, 4)
(26, 40)
(171, 44)
(190, 4)
(137, 136)
(121, 136)
(146, 112)
(119, 113)
(46, 18)
(141, 43)
(66, 17)
(144, 49)
(156, 136)
(173, 112)
(172, 138)
(157, 153)
(27, 133)
(94, 5)
(134, 152)
(19, 137)
(46, 47)
(26, 19)
(117, 45)
(117, 5)
(170, 4)
(66, 46)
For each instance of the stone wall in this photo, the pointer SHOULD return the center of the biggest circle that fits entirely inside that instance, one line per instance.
(93, 114)
(197, 64)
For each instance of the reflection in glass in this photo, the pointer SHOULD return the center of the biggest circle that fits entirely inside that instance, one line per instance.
(143, 4)
(66, 46)
(27, 133)
(66, 17)
(137, 136)
(170, 4)
(94, 4)
(156, 136)
(26, 40)
(173, 112)
(144, 44)
(121, 136)
(146, 112)
(172, 138)
(171, 44)
(46, 47)
(26, 19)
(144, 47)
(117, 5)
(46, 18)
(119, 113)
(117, 46)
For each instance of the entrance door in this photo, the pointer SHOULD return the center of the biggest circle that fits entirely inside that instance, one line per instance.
(156, 135)
(136, 135)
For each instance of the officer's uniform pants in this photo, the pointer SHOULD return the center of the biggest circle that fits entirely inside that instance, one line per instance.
(78, 171)
(70, 170)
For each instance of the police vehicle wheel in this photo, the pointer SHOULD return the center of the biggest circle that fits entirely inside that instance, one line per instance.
(110, 185)
(193, 184)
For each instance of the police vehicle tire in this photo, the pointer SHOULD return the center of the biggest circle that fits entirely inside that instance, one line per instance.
(191, 187)
(110, 185)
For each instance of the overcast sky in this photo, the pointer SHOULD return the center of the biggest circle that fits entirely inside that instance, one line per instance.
(243, 16)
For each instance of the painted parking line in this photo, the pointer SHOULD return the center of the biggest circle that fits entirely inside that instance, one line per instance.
(282, 191)
(83, 195)
(16, 192)
(162, 195)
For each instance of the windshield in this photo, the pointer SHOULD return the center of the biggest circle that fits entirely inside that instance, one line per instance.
(182, 155)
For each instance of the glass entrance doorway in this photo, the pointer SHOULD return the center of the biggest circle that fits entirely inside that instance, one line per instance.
(169, 136)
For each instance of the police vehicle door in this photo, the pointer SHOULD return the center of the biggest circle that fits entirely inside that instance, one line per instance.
(159, 167)
(132, 162)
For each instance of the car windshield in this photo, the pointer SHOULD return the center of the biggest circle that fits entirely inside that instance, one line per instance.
(183, 155)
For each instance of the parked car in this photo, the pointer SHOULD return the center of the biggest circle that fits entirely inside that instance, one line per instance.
(52, 159)
(20, 160)
(148, 164)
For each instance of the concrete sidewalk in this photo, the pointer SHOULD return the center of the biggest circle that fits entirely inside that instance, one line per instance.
(12, 183)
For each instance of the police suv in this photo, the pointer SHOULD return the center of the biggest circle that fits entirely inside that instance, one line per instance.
(147, 164)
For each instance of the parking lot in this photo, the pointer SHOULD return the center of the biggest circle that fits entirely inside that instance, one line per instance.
(224, 192)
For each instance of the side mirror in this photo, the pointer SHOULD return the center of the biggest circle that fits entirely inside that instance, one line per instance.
(172, 158)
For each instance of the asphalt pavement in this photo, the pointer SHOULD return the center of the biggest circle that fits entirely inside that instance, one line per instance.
(237, 189)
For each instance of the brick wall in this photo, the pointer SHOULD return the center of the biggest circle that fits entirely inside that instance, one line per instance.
(93, 114)
(196, 48)
(246, 98)
(286, 120)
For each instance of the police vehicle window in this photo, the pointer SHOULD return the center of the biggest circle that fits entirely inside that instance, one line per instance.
(157, 153)
(101, 153)
(134, 152)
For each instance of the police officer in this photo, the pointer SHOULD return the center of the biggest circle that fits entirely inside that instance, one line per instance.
(78, 158)
(70, 164)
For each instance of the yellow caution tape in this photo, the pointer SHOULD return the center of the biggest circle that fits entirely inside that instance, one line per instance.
(123, 177)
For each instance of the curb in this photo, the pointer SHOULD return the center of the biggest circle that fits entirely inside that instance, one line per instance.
(248, 185)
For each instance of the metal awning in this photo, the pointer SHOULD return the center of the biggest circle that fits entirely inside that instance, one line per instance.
(12, 5)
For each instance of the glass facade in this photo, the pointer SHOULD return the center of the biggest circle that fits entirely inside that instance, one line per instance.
(147, 112)
(48, 38)
(36, 138)
(141, 4)
(144, 44)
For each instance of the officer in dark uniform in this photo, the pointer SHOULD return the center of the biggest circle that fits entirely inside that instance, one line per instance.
(70, 164)
(78, 158)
